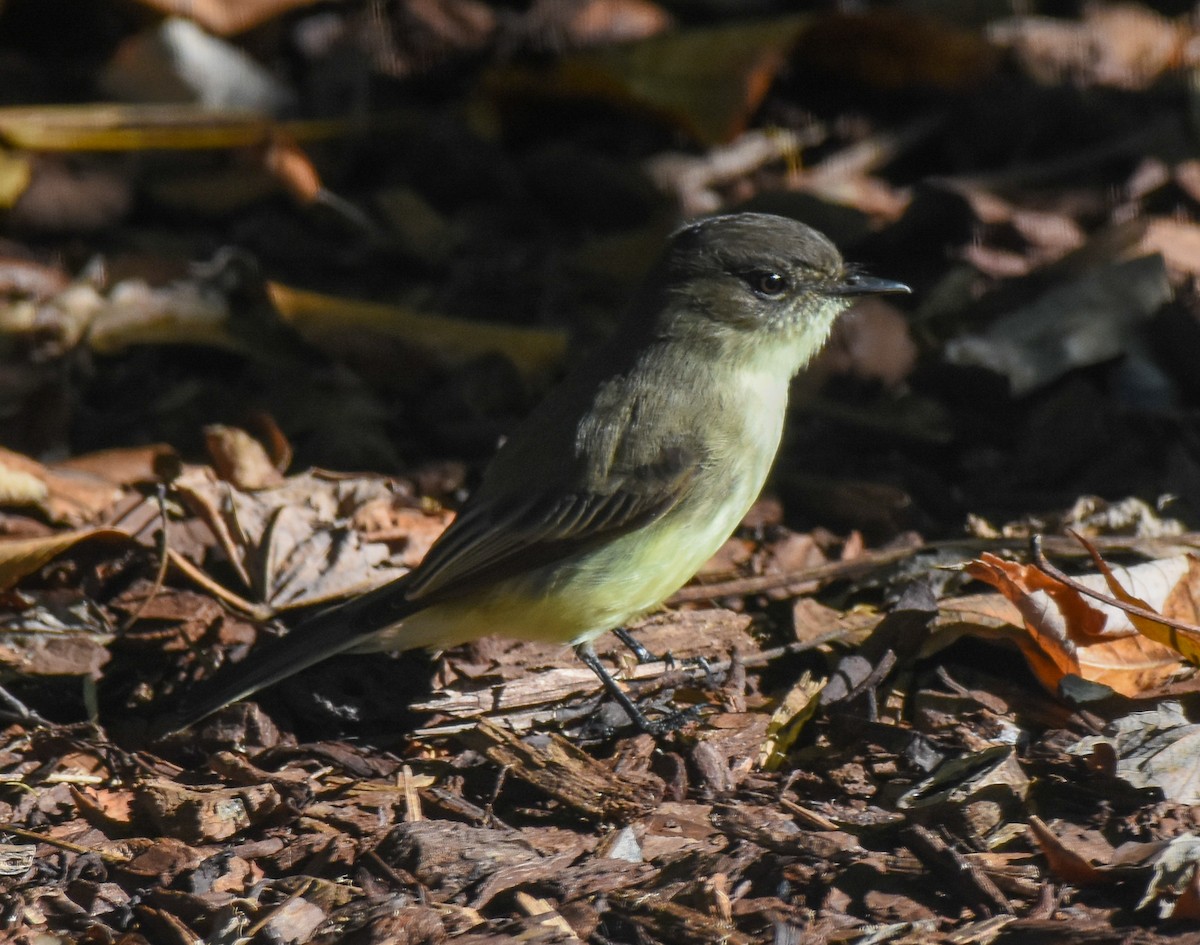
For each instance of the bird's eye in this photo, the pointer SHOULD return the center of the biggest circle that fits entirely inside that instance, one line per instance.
(767, 283)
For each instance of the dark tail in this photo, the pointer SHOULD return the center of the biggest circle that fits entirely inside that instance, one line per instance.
(321, 636)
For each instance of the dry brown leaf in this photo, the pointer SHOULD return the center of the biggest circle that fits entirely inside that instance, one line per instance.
(1178, 241)
(22, 556)
(83, 489)
(288, 164)
(708, 81)
(1047, 235)
(413, 530)
(327, 321)
(240, 459)
(812, 620)
(1069, 634)
(227, 17)
(1179, 604)
(112, 810)
(290, 543)
(794, 551)
(890, 48)
(123, 466)
(1078, 862)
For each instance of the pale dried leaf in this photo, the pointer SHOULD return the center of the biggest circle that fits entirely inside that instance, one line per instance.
(1158, 748)
(294, 543)
(239, 458)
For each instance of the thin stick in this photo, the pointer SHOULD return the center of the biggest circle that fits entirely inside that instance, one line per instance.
(1039, 560)
(822, 572)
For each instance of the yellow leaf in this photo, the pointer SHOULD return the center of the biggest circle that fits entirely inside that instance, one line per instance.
(1184, 642)
(788, 720)
(21, 557)
(537, 353)
(15, 174)
(104, 127)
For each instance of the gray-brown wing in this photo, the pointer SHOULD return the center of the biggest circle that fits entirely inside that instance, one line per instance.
(491, 540)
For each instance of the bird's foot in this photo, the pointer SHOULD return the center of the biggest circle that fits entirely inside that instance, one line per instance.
(671, 722)
(656, 727)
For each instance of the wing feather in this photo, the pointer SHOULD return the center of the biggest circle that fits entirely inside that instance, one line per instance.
(487, 544)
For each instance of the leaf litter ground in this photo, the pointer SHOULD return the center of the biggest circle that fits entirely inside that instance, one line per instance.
(888, 748)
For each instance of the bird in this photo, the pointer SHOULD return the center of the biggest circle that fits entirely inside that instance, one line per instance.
(623, 481)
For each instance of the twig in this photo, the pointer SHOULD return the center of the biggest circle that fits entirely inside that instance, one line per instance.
(61, 844)
(1039, 560)
(822, 572)
(237, 602)
(20, 709)
(954, 869)
(163, 561)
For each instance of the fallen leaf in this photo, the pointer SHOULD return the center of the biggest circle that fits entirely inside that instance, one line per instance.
(290, 543)
(1124, 45)
(1180, 604)
(240, 459)
(21, 557)
(1075, 863)
(894, 48)
(323, 320)
(709, 81)
(1069, 634)
(787, 721)
(228, 17)
(1157, 748)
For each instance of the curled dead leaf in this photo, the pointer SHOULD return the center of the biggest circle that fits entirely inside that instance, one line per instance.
(1068, 634)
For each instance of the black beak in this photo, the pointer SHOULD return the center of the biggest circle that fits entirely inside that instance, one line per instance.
(856, 284)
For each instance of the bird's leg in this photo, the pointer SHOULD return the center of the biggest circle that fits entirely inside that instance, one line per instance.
(639, 651)
(662, 726)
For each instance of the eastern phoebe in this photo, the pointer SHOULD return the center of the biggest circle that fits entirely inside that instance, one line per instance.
(625, 480)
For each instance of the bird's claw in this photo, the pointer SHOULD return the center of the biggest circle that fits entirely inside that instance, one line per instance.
(671, 722)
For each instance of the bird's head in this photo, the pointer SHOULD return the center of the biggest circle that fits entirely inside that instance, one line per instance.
(752, 279)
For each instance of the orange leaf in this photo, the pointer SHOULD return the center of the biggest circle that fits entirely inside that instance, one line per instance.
(1069, 634)
(1184, 642)
(1064, 862)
